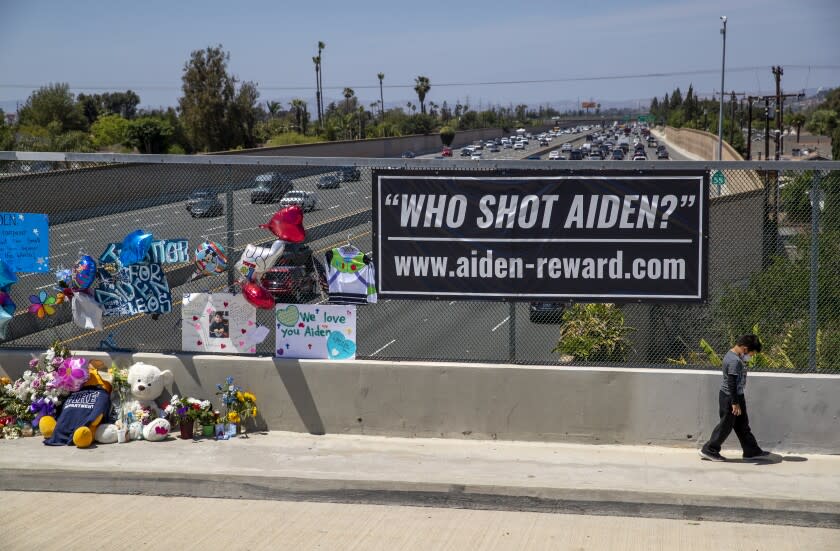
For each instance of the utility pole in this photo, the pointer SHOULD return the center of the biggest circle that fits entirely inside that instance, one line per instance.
(777, 74)
(749, 128)
(722, 73)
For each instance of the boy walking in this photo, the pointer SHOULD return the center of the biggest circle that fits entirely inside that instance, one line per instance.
(733, 406)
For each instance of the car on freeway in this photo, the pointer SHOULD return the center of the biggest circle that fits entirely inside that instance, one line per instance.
(617, 155)
(596, 155)
(507, 145)
(349, 174)
(640, 157)
(494, 148)
(447, 152)
(329, 181)
(533, 158)
(204, 202)
(546, 312)
(270, 187)
(519, 145)
(544, 142)
(653, 143)
(489, 144)
(478, 145)
(662, 154)
(554, 155)
(466, 151)
(296, 276)
(566, 147)
(476, 156)
(408, 155)
(575, 155)
(307, 200)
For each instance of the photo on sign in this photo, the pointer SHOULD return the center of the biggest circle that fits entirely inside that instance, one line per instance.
(219, 322)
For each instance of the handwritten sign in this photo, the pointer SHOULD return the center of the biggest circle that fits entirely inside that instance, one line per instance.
(319, 331)
(219, 322)
(24, 241)
(137, 289)
(162, 251)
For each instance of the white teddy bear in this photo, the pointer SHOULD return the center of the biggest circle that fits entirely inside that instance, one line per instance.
(147, 383)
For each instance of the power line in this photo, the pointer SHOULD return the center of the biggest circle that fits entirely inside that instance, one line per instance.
(452, 84)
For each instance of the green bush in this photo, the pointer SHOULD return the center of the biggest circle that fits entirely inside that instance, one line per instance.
(447, 135)
(292, 138)
(594, 332)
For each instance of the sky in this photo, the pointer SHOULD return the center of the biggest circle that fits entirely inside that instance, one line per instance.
(463, 46)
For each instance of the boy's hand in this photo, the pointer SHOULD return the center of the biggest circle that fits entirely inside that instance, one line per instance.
(736, 410)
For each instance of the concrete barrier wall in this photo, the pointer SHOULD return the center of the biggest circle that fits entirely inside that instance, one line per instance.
(591, 405)
(373, 147)
(700, 143)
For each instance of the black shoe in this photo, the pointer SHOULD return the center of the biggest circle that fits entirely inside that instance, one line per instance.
(760, 455)
(711, 456)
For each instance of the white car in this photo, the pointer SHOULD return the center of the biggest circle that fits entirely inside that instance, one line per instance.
(476, 156)
(566, 147)
(554, 155)
(306, 199)
(519, 145)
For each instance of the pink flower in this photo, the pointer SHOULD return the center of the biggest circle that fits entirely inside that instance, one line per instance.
(33, 363)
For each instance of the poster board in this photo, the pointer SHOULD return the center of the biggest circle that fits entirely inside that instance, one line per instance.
(218, 322)
(136, 289)
(316, 331)
(25, 241)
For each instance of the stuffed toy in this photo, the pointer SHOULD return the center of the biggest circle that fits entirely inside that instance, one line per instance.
(81, 414)
(147, 383)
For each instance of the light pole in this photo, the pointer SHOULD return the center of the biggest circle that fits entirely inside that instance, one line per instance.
(722, 72)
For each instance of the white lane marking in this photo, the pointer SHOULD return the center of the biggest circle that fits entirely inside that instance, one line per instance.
(451, 303)
(333, 207)
(91, 229)
(367, 196)
(45, 286)
(384, 347)
(74, 242)
(501, 323)
(153, 225)
(63, 235)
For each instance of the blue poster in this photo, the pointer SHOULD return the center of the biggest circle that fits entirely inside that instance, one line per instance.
(25, 241)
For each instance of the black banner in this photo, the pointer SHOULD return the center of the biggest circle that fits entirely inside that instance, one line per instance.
(583, 236)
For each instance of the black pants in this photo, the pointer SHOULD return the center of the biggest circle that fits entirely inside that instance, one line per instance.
(728, 421)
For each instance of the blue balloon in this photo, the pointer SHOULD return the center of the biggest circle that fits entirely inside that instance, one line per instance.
(5, 318)
(7, 276)
(6, 303)
(85, 272)
(135, 246)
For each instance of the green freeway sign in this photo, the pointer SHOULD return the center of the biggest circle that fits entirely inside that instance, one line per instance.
(645, 118)
(718, 178)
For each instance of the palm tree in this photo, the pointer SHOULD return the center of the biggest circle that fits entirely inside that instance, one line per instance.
(298, 106)
(273, 108)
(422, 87)
(317, 61)
(361, 117)
(321, 47)
(348, 93)
(381, 77)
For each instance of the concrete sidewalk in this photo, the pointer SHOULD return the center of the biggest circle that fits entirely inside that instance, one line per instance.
(641, 481)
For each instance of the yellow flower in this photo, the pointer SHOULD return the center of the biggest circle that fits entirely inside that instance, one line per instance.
(233, 417)
(240, 397)
(254, 412)
(250, 398)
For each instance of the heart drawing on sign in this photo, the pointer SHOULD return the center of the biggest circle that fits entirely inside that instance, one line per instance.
(199, 343)
(222, 346)
(195, 318)
(244, 331)
(197, 326)
(339, 347)
(288, 316)
(241, 343)
(225, 303)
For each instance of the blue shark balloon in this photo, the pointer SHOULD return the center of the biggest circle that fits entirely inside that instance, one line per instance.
(84, 273)
(135, 246)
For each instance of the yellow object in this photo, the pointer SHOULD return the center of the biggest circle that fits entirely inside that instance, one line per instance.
(98, 379)
(47, 425)
(233, 417)
(83, 437)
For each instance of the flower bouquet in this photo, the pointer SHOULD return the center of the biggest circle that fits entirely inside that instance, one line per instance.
(239, 404)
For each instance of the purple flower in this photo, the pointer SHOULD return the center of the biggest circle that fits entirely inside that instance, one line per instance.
(57, 361)
(33, 363)
(182, 411)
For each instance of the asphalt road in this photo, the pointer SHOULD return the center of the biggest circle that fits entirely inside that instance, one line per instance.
(436, 330)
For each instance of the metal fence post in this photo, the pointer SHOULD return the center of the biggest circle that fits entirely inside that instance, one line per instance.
(229, 225)
(512, 332)
(815, 260)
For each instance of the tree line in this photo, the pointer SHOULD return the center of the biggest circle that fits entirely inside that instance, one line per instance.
(691, 111)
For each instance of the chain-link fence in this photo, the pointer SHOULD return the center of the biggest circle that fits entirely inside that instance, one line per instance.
(766, 272)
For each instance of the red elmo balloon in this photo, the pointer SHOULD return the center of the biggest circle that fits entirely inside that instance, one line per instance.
(287, 224)
(258, 296)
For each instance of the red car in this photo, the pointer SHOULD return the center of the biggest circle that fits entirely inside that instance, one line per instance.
(447, 152)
